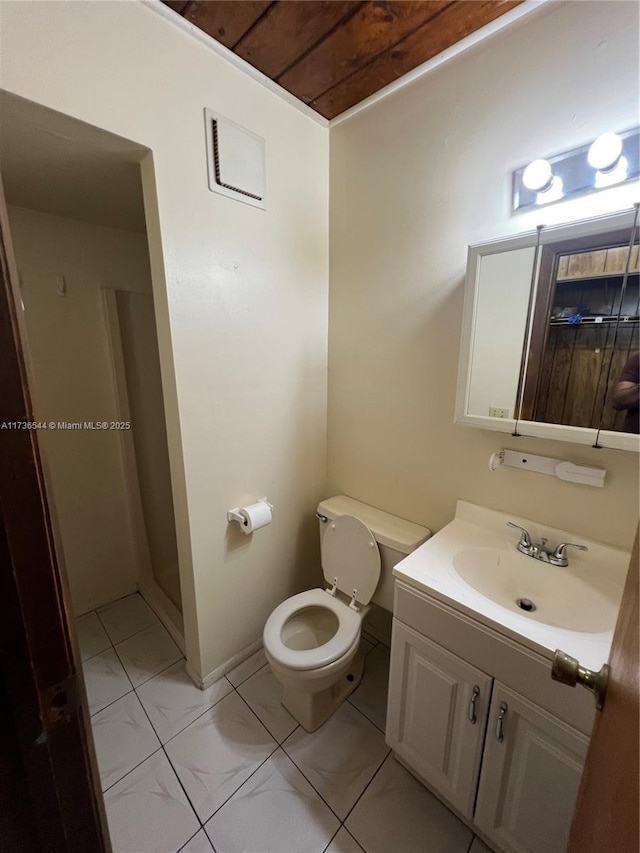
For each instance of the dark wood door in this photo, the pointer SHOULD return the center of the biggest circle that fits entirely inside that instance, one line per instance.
(606, 816)
(46, 735)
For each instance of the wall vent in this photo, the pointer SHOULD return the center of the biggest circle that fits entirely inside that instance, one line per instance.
(235, 161)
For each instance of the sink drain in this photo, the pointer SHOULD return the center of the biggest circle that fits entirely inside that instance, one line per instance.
(526, 605)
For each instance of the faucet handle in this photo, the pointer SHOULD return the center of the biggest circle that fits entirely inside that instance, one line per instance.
(561, 551)
(525, 538)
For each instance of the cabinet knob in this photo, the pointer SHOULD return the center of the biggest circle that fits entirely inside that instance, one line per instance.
(567, 670)
(472, 704)
(500, 722)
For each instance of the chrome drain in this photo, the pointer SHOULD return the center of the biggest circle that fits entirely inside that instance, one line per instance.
(526, 604)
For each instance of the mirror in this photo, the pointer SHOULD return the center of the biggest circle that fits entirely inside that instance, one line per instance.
(550, 324)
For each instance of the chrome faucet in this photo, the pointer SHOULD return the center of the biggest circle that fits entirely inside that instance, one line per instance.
(539, 550)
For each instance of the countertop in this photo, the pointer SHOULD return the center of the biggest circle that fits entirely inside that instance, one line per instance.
(430, 569)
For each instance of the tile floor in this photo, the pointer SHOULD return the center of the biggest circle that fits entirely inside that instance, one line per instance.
(229, 770)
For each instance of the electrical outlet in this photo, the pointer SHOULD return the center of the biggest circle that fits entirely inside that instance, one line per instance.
(495, 412)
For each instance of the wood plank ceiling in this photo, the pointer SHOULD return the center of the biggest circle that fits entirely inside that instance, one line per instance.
(333, 54)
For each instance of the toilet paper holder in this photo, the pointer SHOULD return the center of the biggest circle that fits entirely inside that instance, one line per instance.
(236, 515)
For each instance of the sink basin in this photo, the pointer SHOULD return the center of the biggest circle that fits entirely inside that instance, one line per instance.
(472, 566)
(560, 598)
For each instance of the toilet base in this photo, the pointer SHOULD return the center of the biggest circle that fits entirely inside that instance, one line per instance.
(311, 710)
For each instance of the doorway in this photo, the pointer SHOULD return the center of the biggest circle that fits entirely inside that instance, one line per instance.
(86, 304)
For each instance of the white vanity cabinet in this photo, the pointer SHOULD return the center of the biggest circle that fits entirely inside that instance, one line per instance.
(438, 719)
(531, 769)
(479, 721)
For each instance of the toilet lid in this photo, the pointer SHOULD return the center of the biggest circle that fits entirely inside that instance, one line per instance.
(350, 554)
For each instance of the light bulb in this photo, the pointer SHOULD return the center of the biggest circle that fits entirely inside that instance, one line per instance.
(609, 177)
(538, 175)
(605, 152)
(553, 192)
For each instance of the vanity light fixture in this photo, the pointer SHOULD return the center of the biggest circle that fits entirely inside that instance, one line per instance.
(605, 152)
(605, 156)
(610, 160)
(554, 192)
(615, 175)
(538, 176)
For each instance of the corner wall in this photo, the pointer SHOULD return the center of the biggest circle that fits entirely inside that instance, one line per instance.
(414, 180)
(240, 293)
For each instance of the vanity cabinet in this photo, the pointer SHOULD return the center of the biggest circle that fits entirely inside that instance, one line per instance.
(458, 717)
(438, 720)
(531, 769)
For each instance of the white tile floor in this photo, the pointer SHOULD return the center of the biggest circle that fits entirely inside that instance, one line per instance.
(229, 770)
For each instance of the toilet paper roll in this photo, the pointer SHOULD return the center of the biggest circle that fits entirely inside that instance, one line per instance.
(255, 516)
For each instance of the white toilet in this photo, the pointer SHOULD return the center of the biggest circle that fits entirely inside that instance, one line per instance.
(312, 640)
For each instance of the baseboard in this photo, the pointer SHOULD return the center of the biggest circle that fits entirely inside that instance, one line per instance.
(216, 675)
(165, 610)
(381, 636)
(97, 604)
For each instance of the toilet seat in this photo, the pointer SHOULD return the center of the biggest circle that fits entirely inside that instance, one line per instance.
(349, 623)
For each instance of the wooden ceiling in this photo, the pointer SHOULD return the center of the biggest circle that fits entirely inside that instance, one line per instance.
(333, 54)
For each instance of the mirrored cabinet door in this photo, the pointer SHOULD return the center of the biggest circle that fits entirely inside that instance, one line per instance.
(551, 330)
(584, 331)
(504, 284)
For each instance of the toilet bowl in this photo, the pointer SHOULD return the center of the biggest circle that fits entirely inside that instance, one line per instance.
(312, 640)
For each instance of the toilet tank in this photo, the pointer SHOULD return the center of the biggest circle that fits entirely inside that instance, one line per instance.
(395, 536)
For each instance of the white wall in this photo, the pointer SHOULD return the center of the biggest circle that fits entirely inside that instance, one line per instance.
(72, 381)
(240, 294)
(414, 180)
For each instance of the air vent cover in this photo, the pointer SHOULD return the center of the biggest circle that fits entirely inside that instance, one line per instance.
(235, 161)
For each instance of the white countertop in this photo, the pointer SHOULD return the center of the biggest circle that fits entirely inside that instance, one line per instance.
(601, 571)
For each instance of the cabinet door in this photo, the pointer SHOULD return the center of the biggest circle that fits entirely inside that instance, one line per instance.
(531, 769)
(437, 715)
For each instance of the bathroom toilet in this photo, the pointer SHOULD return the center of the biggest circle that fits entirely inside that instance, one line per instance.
(312, 640)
